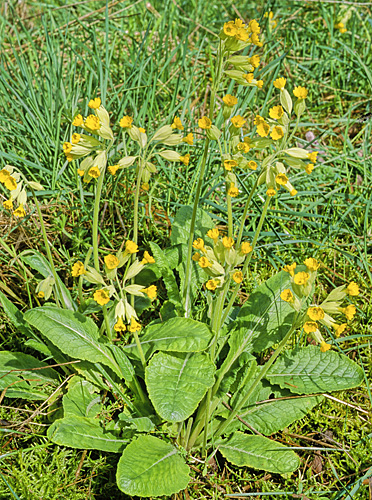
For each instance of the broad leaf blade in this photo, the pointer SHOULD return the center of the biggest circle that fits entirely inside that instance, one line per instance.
(166, 273)
(15, 316)
(82, 399)
(259, 452)
(307, 370)
(177, 383)
(182, 224)
(149, 467)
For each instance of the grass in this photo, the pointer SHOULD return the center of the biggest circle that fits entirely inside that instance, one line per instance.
(153, 61)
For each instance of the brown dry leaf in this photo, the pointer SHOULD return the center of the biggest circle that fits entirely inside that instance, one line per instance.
(317, 463)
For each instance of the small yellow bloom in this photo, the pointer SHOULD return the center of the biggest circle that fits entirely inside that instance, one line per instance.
(339, 329)
(263, 128)
(134, 325)
(287, 295)
(229, 29)
(324, 347)
(147, 258)
(189, 139)
(198, 244)
(227, 242)
(150, 292)
(255, 61)
(229, 164)
(281, 179)
(77, 269)
(204, 262)
(131, 247)
(145, 186)
(349, 312)
(94, 103)
(211, 285)
(271, 192)
(253, 26)
(237, 276)
(248, 77)
(4, 174)
(245, 248)
(310, 327)
(111, 261)
(142, 130)
(259, 84)
(312, 156)
(69, 158)
(315, 313)
(277, 133)
(233, 191)
(92, 122)
(242, 35)
(196, 257)
(205, 123)
(230, 100)
(94, 172)
(352, 289)
(301, 278)
(255, 40)
(67, 147)
(8, 204)
(113, 169)
(213, 234)
(119, 325)
(19, 212)
(293, 192)
(276, 112)
(312, 264)
(244, 147)
(185, 159)
(41, 295)
(75, 138)
(289, 268)
(300, 92)
(126, 122)
(78, 121)
(238, 121)
(102, 297)
(80, 172)
(309, 168)
(177, 123)
(252, 165)
(279, 83)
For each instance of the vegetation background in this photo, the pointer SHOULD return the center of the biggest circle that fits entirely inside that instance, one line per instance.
(153, 60)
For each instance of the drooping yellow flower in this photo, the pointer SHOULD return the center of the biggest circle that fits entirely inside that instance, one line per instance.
(78, 121)
(352, 289)
(113, 169)
(227, 242)
(102, 297)
(339, 329)
(253, 26)
(205, 123)
(230, 29)
(276, 112)
(67, 147)
(248, 77)
(80, 172)
(134, 325)
(312, 264)
(111, 261)
(263, 128)
(8, 204)
(324, 347)
(233, 191)
(142, 130)
(229, 164)
(150, 292)
(119, 325)
(293, 192)
(10, 183)
(315, 313)
(196, 257)
(213, 234)
(131, 247)
(242, 35)
(300, 92)
(244, 147)
(145, 186)
(92, 122)
(147, 258)
(281, 179)
(189, 139)
(349, 311)
(77, 269)
(287, 295)
(245, 248)
(237, 276)
(252, 165)
(277, 133)
(255, 40)
(259, 84)
(255, 61)
(75, 138)
(289, 268)
(41, 295)
(312, 156)
(4, 174)
(126, 122)
(279, 83)
(271, 192)
(238, 121)
(185, 159)
(198, 244)
(177, 124)
(94, 172)
(19, 212)
(301, 278)
(211, 285)
(230, 100)
(204, 262)
(310, 327)
(94, 103)
(309, 168)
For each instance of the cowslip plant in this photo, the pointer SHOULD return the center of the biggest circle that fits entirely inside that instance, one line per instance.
(180, 385)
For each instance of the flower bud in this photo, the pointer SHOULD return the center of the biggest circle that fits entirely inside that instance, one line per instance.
(285, 100)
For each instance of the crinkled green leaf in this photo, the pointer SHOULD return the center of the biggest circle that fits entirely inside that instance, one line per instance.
(166, 273)
(82, 399)
(182, 224)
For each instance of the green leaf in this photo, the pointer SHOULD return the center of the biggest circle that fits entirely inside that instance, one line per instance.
(73, 333)
(166, 273)
(85, 434)
(23, 376)
(141, 424)
(177, 382)
(259, 452)
(307, 370)
(182, 224)
(81, 399)
(15, 316)
(149, 467)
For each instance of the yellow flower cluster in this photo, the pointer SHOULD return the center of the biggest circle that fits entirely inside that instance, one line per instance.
(243, 32)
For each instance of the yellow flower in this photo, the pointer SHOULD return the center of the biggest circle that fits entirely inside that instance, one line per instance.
(315, 313)
(92, 122)
(309, 168)
(177, 123)
(150, 292)
(113, 169)
(189, 139)
(41, 295)
(185, 159)
(213, 234)
(78, 121)
(253, 26)
(134, 325)
(339, 329)
(94, 172)
(230, 100)
(204, 262)
(238, 121)
(281, 179)
(277, 133)
(276, 112)
(352, 289)
(289, 268)
(198, 244)
(4, 174)
(312, 156)
(324, 347)
(279, 83)
(229, 164)
(237, 276)
(248, 77)
(293, 192)
(75, 138)
(301, 278)
(131, 247)
(310, 327)
(145, 186)
(69, 158)
(271, 192)
(255, 40)
(102, 297)
(67, 147)
(300, 92)
(242, 35)
(142, 130)
(211, 284)
(94, 103)
(80, 172)
(8, 204)
(119, 325)
(233, 191)
(245, 248)
(77, 269)
(243, 146)
(20, 212)
(263, 128)
(196, 257)
(312, 264)
(349, 311)
(227, 242)
(126, 122)
(111, 261)
(147, 258)
(252, 165)
(255, 61)
(259, 84)
(229, 29)
(205, 123)
(287, 295)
